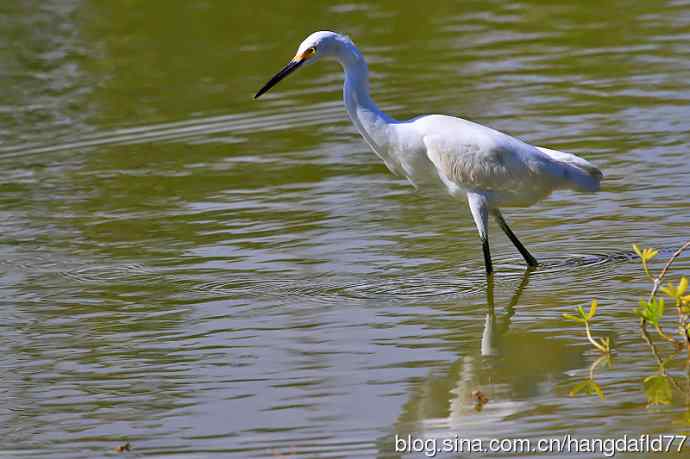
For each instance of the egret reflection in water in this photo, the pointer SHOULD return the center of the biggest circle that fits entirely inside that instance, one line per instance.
(508, 366)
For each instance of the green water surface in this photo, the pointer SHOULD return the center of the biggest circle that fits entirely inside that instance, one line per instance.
(205, 275)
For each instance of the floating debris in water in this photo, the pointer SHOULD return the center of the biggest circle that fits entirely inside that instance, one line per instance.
(287, 455)
(122, 448)
(480, 399)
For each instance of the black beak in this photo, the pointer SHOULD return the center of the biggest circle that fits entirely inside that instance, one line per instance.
(287, 70)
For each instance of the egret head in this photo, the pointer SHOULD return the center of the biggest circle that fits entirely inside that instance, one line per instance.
(314, 47)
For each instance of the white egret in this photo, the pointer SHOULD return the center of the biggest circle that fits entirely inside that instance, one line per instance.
(491, 169)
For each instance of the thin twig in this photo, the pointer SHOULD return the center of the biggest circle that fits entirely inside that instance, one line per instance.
(657, 281)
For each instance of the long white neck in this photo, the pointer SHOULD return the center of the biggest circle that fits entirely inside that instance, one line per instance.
(372, 123)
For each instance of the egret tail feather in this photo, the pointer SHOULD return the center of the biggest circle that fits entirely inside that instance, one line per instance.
(581, 174)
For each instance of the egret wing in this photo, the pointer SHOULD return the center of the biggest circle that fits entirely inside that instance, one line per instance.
(475, 157)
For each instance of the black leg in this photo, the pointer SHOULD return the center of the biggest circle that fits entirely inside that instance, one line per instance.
(487, 256)
(480, 214)
(531, 261)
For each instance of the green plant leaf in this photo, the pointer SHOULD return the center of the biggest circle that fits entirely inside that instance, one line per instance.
(669, 290)
(658, 389)
(572, 317)
(597, 389)
(649, 254)
(645, 254)
(652, 311)
(658, 308)
(592, 310)
(588, 387)
(676, 292)
(637, 250)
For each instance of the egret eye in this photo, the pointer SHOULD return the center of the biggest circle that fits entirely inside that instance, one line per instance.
(310, 51)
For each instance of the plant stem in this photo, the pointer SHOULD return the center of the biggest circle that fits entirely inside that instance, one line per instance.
(657, 281)
(664, 335)
(657, 284)
(593, 341)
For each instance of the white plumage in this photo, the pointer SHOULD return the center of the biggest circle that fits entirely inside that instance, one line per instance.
(465, 159)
